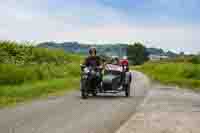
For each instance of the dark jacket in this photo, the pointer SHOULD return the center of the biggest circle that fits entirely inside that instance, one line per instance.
(93, 61)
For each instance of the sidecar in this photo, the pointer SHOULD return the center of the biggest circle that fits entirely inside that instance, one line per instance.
(116, 80)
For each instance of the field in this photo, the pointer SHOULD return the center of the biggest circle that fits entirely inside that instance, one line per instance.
(28, 72)
(184, 74)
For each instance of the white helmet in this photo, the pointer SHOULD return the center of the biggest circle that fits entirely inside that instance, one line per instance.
(125, 57)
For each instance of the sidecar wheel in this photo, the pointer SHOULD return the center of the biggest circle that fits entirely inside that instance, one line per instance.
(127, 90)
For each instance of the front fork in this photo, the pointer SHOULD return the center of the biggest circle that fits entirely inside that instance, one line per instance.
(84, 80)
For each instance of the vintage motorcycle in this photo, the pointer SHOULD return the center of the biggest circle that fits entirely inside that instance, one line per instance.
(115, 79)
(90, 80)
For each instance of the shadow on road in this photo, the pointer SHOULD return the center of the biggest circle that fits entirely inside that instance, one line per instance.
(107, 97)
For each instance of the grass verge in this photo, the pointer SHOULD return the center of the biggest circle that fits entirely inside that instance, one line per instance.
(181, 74)
(11, 95)
(28, 72)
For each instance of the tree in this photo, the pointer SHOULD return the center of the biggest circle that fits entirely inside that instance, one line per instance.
(137, 53)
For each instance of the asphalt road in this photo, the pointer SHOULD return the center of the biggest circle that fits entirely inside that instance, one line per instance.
(166, 110)
(71, 114)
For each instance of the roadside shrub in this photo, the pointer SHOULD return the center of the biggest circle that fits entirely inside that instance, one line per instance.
(195, 60)
(191, 71)
(22, 62)
(183, 74)
(13, 74)
(23, 53)
(73, 69)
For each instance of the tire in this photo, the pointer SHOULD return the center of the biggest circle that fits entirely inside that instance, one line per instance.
(127, 90)
(130, 78)
(84, 93)
(94, 94)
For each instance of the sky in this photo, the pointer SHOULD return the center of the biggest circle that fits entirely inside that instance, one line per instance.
(168, 24)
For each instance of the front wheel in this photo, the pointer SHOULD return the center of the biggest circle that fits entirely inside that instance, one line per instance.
(84, 93)
(94, 93)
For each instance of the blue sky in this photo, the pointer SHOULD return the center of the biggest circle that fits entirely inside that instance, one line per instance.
(168, 24)
(175, 11)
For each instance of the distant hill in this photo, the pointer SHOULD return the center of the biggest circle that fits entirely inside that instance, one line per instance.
(161, 52)
(75, 47)
(105, 49)
(72, 47)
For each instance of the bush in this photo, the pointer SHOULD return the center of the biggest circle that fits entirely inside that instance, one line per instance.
(21, 62)
(23, 53)
(13, 74)
(195, 60)
(28, 72)
(191, 71)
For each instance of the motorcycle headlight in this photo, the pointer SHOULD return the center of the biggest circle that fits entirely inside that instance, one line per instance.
(86, 70)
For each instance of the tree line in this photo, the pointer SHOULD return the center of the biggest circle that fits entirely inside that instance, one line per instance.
(137, 53)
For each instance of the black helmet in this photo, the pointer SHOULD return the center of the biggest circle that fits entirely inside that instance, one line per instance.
(92, 49)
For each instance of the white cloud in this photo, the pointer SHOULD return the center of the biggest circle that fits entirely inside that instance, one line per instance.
(93, 23)
(179, 38)
(25, 20)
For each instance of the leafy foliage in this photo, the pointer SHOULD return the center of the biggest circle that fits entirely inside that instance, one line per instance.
(137, 54)
(195, 59)
(21, 54)
(22, 62)
(183, 74)
(28, 72)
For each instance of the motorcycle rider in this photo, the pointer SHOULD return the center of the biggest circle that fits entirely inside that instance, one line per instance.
(94, 61)
(115, 60)
(124, 62)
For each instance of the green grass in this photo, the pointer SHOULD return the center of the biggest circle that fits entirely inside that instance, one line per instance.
(24, 83)
(28, 72)
(181, 74)
(14, 74)
(11, 95)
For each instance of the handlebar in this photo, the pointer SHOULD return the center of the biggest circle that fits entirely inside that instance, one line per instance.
(90, 67)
